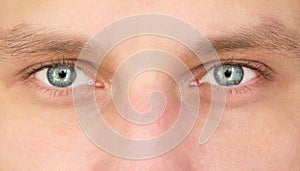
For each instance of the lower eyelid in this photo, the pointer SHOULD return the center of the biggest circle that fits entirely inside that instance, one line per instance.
(48, 91)
(60, 98)
(55, 95)
(236, 95)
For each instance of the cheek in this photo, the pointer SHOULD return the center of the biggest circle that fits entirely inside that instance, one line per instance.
(253, 136)
(42, 137)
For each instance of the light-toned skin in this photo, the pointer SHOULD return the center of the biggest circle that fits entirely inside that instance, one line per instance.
(259, 130)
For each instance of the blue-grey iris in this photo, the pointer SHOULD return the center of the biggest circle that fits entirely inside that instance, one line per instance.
(61, 75)
(228, 75)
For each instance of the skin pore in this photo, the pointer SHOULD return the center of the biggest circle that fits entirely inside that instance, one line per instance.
(261, 122)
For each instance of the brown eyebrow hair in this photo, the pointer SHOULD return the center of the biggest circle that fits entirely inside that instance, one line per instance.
(268, 35)
(25, 40)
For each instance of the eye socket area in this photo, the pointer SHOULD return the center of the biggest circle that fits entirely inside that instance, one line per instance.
(63, 76)
(227, 75)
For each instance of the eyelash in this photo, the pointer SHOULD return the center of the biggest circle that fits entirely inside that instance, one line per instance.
(263, 70)
(266, 74)
(29, 73)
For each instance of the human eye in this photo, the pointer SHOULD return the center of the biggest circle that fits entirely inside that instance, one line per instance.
(63, 76)
(55, 79)
(227, 75)
(237, 77)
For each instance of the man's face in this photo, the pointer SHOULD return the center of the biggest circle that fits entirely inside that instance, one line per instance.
(260, 126)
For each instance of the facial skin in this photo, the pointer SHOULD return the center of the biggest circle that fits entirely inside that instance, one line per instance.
(260, 125)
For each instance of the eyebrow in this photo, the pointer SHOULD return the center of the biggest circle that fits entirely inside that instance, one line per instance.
(269, 35)
(25, 40)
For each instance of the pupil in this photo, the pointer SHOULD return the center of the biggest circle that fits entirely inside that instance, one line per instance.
(62, 74)
(227, 73)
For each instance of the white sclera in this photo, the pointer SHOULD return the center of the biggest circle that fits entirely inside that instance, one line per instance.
(81, 78)
(249, 74)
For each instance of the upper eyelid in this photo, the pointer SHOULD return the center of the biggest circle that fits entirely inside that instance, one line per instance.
(29, 70)
(243, 62)
(85, 66)
(260, 67)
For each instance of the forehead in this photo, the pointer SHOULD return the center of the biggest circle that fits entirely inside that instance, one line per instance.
(210, 16)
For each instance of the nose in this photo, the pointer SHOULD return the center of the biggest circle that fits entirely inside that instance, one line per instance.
(140, 90)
